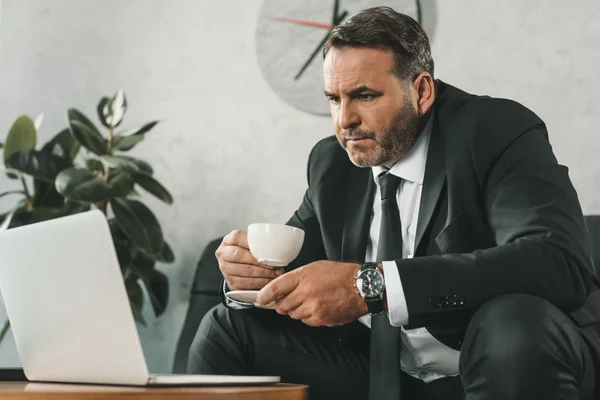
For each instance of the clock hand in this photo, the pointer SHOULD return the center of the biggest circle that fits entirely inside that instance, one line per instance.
(338, 19)
(303, 23)
(336, 7)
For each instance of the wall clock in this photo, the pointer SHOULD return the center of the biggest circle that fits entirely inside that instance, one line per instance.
(289, 39)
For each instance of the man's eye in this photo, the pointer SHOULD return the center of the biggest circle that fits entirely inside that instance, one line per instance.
(334, 99)
(365, 97)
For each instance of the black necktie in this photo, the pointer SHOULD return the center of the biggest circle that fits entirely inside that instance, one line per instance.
(385, 339)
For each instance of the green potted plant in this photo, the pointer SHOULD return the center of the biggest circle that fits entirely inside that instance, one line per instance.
(81, 168)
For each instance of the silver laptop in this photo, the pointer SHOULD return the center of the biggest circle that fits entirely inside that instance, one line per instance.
(66, 301)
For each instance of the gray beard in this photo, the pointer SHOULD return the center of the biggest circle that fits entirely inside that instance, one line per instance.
(392, 144)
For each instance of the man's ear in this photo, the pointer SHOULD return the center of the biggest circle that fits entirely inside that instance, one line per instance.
(424, 88)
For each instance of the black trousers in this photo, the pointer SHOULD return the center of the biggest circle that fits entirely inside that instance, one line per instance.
(515, 347)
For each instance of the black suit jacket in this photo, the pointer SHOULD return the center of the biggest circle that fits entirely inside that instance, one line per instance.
(498, 215)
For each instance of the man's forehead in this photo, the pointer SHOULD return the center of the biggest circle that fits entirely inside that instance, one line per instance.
(352, 66)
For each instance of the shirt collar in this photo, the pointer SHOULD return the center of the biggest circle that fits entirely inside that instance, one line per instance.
(411, 167)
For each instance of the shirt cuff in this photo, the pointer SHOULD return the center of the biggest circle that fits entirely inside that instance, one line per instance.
(397, 310)
(234, 304)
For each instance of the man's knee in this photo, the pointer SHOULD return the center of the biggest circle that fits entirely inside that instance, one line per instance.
(514, 338)
(514, 327)
(213, 329)
(215, 317)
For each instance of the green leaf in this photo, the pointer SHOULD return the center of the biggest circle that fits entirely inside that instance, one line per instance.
(21, 136)
(120, 163)
(126, 140)
(114, 109)
(63, 145)
(74, 114)
(142, 165)
(72, 207)
(153, 187)
(44, 214)
(116, 231)
(123, 253)
(87, 138)
(126, 143)
(139, 131)
(143, 260)
(136, 299)
(100, 111)
(86, 132)
(45, 194)
(166, 254)
(39, 164)
(157, 286)
(82, 185)
(138, 223)
(121, 184)
(95, 165)
(129, 164)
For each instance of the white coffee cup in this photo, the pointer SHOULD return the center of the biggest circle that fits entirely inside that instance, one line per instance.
(274, 244)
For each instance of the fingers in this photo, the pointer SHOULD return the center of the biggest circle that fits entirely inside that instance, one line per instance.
(278, 288)
(248, 271)
(248, 277)
(233, 250)
(242, 283)
(236, 254)
(287, 304)
(238, 237)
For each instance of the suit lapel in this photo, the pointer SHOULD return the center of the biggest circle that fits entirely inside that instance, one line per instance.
(433, 182)
(360, 189)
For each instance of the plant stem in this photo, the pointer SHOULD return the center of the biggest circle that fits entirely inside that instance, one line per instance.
(4, 325)
(110, 139)
(26, 189)
(102, 207)
(108, 151)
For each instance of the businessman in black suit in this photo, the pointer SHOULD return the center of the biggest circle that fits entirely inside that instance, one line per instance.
(445, 255)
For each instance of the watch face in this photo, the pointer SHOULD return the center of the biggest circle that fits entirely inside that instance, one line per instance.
(370, 283)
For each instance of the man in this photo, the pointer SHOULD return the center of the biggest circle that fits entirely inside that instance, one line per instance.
(479, 254)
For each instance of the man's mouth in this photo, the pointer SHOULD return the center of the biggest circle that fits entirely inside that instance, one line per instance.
(350, 140)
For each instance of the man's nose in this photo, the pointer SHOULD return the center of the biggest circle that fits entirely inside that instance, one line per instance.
(348, 118)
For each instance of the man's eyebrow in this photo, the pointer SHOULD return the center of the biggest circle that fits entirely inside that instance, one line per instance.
(362, 89)
(356, 91)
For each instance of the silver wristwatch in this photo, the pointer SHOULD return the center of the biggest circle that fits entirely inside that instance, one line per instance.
(371, 286)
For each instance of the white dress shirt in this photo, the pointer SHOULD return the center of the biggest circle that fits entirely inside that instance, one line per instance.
(422, 356)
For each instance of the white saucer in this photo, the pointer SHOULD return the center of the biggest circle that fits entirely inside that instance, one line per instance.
(248, 296)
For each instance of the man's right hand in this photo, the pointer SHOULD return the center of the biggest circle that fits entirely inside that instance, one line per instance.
(239, 267)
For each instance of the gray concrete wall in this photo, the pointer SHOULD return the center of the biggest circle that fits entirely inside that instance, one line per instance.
(229, 149)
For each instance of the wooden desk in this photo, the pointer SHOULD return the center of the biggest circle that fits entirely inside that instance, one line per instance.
(23, 390)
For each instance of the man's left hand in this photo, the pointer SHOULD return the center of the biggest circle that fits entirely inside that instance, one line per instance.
(319, 294)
